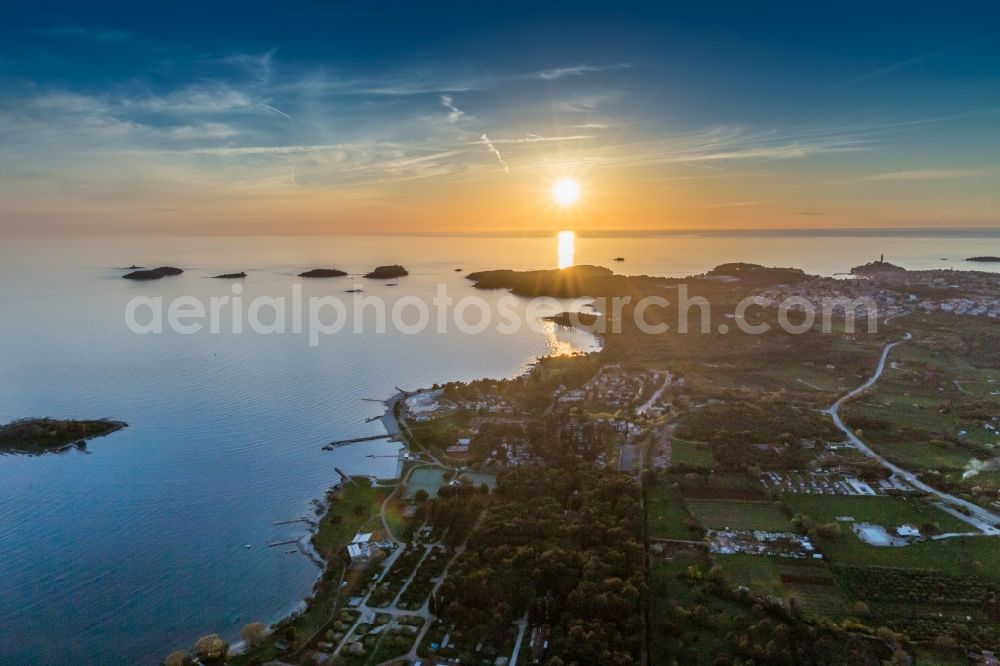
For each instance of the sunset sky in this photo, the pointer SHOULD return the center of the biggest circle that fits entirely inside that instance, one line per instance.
(288, 117)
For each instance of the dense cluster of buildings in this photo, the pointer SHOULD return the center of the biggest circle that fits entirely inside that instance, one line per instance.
(613, 389)
(895, 293)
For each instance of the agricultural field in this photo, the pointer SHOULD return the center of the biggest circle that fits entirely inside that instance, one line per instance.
(936, 405)
(927, 455)
(695, 454)
(962, 556)
(738, 515)
(666, 515)
(672, 635)
(814, 589)
(882, 510)
(927, 604)
(720, 486)
(758, 573)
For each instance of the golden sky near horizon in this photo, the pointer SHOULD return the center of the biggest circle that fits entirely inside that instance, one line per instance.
(156, 127)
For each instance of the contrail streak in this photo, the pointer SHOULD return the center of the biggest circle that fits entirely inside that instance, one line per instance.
(493, 149)
(279, 112)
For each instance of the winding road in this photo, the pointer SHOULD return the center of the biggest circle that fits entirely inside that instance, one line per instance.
(973, 514)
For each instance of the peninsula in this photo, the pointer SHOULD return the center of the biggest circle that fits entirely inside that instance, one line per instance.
(698, 484)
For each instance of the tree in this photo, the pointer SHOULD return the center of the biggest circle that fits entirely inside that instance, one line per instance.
(211, 649)
(829, 530)
(421, 496)
(254, 634)
(177, 658)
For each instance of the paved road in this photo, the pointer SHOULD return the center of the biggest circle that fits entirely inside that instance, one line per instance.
(641, 409)
(522, 625)
(628, 456)
(978, 517)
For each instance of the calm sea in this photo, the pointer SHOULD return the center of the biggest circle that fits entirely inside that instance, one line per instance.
(122, 553)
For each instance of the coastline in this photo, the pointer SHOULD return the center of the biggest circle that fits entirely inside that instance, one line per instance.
(307, 543)
(396, 428)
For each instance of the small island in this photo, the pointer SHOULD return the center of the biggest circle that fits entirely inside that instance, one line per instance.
(231, 276)
(387, 272)
(619, 258)
(45, 435)
(153, 274)
(988, 259)
(323, 273)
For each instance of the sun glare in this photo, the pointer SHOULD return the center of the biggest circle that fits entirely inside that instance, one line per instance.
(566, 191)
(566, 248)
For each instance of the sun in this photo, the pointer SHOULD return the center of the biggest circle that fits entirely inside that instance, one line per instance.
(565, 192)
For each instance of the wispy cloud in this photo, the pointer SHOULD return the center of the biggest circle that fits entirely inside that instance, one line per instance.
(493, 149)
(575, 70)
(202, 132)
(214, 98)
(534, 138)
(930, 174)
(454, 113)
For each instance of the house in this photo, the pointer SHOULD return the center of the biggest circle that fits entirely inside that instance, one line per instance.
(360, 547)
(460, 449)
(908, 531)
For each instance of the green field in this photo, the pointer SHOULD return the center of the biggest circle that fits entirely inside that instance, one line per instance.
(962, 556)
(691, 453)
(924, 454)
(758, 573)
(923, 395)
(667, 590)
(738, 515)
(814, 588)
(888, 511)
(665, 513)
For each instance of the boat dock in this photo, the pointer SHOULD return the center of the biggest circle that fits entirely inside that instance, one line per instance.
(354, 440)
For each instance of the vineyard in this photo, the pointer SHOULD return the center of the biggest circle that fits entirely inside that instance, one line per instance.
(814, 589)
(926, 603)
(916, 586)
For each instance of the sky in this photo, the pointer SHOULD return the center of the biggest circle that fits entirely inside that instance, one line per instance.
(312, 118)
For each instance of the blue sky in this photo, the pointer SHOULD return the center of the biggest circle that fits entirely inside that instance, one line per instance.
(315, 117)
